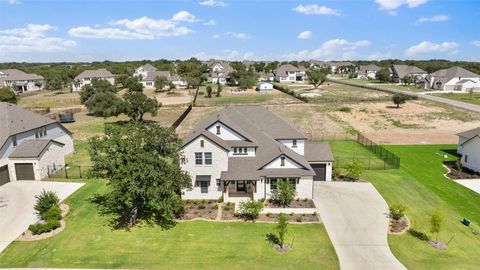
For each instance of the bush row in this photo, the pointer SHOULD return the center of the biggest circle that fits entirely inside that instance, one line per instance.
(292, 93)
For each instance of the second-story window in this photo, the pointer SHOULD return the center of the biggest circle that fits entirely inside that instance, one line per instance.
(282, 161)
(294, 143)
(198, 158)
(208, 158)
(218, 130)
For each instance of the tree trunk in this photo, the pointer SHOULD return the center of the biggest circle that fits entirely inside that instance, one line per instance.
(133, 216)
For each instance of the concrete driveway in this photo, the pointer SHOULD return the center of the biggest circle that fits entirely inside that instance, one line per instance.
(17, 199)
(473, 184)
(354, 215)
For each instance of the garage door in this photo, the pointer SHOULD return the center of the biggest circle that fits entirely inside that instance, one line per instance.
(320, 171)
(4, 177)
(24, 171)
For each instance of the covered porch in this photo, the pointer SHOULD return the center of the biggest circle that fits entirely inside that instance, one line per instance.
(234, 190)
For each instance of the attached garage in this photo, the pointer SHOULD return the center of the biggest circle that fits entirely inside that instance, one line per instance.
(320, 171)
(4, 175)
(24, 171)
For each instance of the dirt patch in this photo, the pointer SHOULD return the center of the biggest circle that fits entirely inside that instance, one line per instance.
(175, 98)
(438, 245)
(228, 211)
(399, 226)
(29, 236)
(293, 218)
(206, 209)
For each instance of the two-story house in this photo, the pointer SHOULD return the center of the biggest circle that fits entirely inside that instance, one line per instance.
(20, 81)
(400, 71)
(85, 78)
(367, 71)
(220, 72)
(242, 151)
(30, 144)
(469, 149)
(289, 74)
(453, 79)
(149, 73)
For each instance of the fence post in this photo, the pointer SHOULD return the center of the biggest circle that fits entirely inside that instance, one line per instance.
(48, 171)
(80, 171)
(66, 173)
(369, 158)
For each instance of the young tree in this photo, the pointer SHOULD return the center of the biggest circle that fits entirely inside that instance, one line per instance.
(407, 79)
(436, 221)
(285, 192)
(383, 75)
(219, 89)
(142, 164)
(250, 209)
(209, 91)
(171, 87)
(137, 104)
(282, 228)
(7, 95)
(353, 170)
(398, 99)
(104, 104)
(160, 83)
(316, 76)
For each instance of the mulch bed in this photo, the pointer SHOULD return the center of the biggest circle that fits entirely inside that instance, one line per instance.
(344, 178)
(200, 209)
(454, 173)
(297, 203)
(295, 218)
(29, 236)
(438, 245)
(228, 210)
(399, 226)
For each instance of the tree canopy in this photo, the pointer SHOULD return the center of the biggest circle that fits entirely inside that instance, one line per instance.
(383, 75)
(317, 76)
(7, 95)
(142, 164)
(160, 83)
(104, 104)
(136, 104)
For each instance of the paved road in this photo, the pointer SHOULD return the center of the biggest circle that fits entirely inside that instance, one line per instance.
(17, 199)
(354, 215)
(473, 184)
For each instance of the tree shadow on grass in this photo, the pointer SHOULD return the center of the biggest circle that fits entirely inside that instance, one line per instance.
(452, 152)
(419, 235)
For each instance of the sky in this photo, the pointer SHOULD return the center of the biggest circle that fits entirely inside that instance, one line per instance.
(72, 30)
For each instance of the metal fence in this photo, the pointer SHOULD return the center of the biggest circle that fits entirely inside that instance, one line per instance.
(68, 171)
(390, 160)
(332, 136)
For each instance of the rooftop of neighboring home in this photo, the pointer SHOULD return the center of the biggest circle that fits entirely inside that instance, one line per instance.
(262, 129)
(225, 71)
(151, 75)
(403, 70)
(365, 68)
(15, 120)
(453, 72)
(470, 133)
(283, 69)
(18, 75)
(94, 73)
(148, 67)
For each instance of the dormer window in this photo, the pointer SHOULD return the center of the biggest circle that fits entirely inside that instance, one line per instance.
(294, 143)
(282, 161)
(218, 130)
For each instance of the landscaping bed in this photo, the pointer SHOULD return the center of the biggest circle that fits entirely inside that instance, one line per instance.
(398, 226)
(293, 218)
(454, 173)
(228, 211)
(206, 209)
(297, 203)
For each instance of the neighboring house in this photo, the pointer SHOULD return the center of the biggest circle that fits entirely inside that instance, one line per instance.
(242, 151)
(144, 70)
(29, 143)
(469, 149)
(367, 71)
(149, 73)
(85, 78)
(344, 68)
(317, 64)
(220, 72)
(400, 71)
(20, 81)
(453, 79)
(289, 74)
(264, 87)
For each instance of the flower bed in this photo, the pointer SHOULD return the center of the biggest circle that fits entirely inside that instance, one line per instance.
(399, 226)
(293, 218)
(207, 209)
(454, 173)
(297, 203)
(228, 211)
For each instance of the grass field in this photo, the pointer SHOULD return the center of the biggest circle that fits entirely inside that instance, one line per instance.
(50, 99)
(349, 151)
(246, 98)
(473, 99)
(420, 185)
(88, 242)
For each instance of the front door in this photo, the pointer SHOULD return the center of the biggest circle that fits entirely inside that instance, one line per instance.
(241, 186)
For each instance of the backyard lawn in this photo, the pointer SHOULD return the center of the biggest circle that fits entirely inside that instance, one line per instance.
(88, 242)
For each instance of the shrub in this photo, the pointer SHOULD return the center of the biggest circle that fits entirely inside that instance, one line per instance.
(305, 200)
(299, 219)
(209, 201)
(397, 211)
(226, 208)
(250, 209)
(345, 109)
(315, 213)
(195, 201)
(39, 228)
(204, 201)
(201, 206)
(54, 213)
(45, 201)
(291, 214)
(285, 192)
(215, 206)
(353, 170)
(269, 214)
(220, 199)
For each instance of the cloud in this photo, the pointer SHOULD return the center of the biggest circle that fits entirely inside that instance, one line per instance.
(426, 47)
(184, 16)
(316, 10)
(394, 4)
(227, 54)
(238, 35)
(213, 3)
(32, 38)
(331, 49)
(305, 35)
(140, 28)
(14, 2)
(210, 22)
(476, 43)
(436, 18)
(392, 13)
(380, 55)
(216, 36)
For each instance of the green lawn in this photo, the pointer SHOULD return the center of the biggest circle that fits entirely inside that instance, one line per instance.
(420, 185)
(246, 98)
(88, 242)
(349, 151)
(473, 99)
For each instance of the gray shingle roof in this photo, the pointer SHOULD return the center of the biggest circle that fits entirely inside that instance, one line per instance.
(153, 74)
(148, 67)
(448, 74)
(262, 128)
(470, 133)
(364, 68)
(282, 70)
(94, 73)
(14, 120)
(31, 148)
(403, 70)
(317, 152)
(18, 75)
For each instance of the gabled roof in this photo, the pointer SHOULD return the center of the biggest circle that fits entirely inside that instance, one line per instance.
(32, 148)
(283, 69)
(317, 152)
(15, 120)
(403, 70)
(151, 75)
(148, 67)
(18, 75)
(449, 73)
(470, 133)
(94, 73)
(365, 68)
